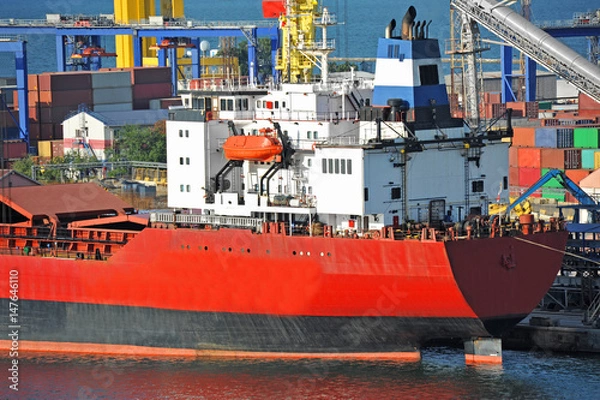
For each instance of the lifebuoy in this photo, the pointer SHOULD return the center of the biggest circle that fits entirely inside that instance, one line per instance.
(376, 235)
(314, 146)
(209, 115)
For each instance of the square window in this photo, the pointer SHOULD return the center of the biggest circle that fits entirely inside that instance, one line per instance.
(324, 165)
(343, 166)
(396, 193)
(308, 135)
(181, 188)
(180, 160)
(330, 165)
(187, 133)
(188, 188)
(337, 165)
(349, 166)
(315, 135)
(187, 161)
(181, 133)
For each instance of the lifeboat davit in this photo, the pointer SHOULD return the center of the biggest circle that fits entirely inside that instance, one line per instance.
(252, 148)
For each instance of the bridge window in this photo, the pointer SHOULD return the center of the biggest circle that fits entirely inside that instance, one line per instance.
(396, 193)
(337, 166)
(324, 162)
(349, 166)
(343, 166)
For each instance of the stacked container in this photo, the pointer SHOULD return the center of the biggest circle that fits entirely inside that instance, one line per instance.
(112, 91)
(534, 151)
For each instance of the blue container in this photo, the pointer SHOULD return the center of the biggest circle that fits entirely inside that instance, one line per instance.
(546, 137)
(564, 138)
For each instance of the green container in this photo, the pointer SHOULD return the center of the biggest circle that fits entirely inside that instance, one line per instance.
(558, 195)
(585, 138)
(587, 159)
(545, 105)
(552, 183)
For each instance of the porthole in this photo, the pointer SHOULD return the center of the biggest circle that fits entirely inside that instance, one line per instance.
(322, 254)
(268, 251)
(206, 248)
(308, 253)
(247, 250)
(294, 252)
(328, 254)
(230, 249)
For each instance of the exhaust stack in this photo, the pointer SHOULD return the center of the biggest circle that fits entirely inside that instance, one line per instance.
(407, 23)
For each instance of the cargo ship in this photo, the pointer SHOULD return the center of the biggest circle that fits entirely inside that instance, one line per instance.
(337, 215)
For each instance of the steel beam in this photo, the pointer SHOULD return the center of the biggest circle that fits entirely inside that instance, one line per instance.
(19, 48)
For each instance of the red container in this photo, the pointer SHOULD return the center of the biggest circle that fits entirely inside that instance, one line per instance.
(145, 75)
(58, 148)
(9, 119)
(55, 114)
(151, 91)
(34, 130)
(65, 81)
(529, 157)
(14, 149)
(170, 102)
(47, 131)
(552, 158)
(523, 137)
(64, 98)
(572, 159)
(528, 176)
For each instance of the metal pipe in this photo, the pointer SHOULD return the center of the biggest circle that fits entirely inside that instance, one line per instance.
(407, 22)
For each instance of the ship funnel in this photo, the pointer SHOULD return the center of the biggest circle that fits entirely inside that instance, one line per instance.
(389, 30)
(407, 22)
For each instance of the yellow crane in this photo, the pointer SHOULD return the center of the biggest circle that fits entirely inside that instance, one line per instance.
(138, 11)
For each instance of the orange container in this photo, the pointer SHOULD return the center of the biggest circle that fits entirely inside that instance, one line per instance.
(577, 175)
(523, 137)
(513, 157)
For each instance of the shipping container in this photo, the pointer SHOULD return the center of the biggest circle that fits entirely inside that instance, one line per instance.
(523, 137)
(552, 158)
(564, 138)
(552, 183)
(58, 148)
(588, 158)
(597, 160)
(55, 81)
(9, 119)
(14, 149)
(34, 131)
(513, 177)
(62, 98)
(113, 107)
(513, 156)
(47, 131)
(33, 82)
(152, 91)
(585, 138)
(529, 157)
(554, 193)
(55, 114)
(576, 175)
(112, 95)
(528, 176)
(545, 137)
(145, 75)
(44, 148)
(572, 159)
(107, 79)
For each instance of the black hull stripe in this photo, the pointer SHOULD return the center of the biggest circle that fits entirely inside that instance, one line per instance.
(139, 326)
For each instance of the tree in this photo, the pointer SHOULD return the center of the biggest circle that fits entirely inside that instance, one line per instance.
(135, 143)
(24, 165)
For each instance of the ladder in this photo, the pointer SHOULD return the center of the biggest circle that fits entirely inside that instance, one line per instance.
(592, 314)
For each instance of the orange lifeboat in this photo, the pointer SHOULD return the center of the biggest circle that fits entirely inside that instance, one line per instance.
(252, 148)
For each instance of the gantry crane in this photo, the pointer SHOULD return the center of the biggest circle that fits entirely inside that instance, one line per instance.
(139, 11)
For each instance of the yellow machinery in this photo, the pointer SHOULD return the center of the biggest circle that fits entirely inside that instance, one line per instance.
(297, 33)
(137, 11)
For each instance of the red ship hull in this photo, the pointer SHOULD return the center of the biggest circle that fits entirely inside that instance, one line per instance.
(233, 290)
